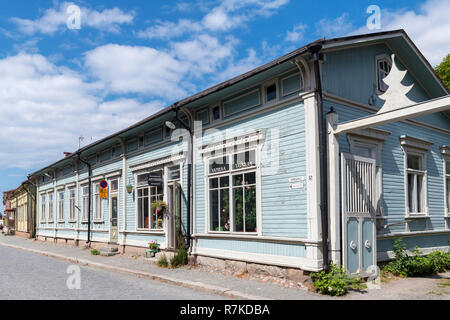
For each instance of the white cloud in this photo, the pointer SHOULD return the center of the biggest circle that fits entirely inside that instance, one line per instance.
(228, 15)
(296, 34)
(55, 19)
(136, 69)
(46, 107)
(204, 54)
(334, 27)
(429, 27)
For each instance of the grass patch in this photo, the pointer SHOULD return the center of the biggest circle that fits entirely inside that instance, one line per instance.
(416, 265)
(162, 261)
(335, 282)
(180, 258)
(95, 252)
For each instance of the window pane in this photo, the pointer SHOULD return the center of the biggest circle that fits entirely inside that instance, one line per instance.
(219, 165)
(114, 185)
(271, 92)
(410, 192)
(213, 183)
(224, 182)
(447, 167)
(214, 209)
(216, 113)
(414, 162)
(224, 210)
(250, 209)
(238, 203)
(244, 160)
(448, 194)
(419, 192)
(250, 178)
(237, 180)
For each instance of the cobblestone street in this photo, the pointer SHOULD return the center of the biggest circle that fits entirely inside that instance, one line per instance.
(30, 276)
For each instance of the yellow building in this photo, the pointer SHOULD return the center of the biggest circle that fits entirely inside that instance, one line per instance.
(23, 202)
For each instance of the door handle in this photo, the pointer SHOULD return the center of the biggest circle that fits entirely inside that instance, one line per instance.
(367, 244)
(353, 245)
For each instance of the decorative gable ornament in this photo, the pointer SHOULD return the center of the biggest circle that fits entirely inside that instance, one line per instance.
(395, 96)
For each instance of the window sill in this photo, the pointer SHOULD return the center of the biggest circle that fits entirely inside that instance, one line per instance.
(72, 221)
(417, 216)
(61, 221)
(98, 221)
(156, 231)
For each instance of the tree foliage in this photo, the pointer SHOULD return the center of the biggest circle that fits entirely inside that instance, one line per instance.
(443, 70)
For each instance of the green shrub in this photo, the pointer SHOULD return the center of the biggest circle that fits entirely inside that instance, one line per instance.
(95, 252)
(162, 261)
(416, 265)
(335, 281)
(180, 258)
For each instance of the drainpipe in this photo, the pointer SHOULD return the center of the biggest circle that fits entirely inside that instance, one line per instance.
(191, 159)
(316, 56)
(88, 242)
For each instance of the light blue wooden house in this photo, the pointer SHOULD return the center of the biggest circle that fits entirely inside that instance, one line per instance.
(283, 157)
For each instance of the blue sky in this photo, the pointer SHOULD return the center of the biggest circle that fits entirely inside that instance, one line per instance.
(131, 58)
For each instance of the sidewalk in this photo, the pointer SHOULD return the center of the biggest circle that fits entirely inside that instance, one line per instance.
(435, 287)
(228, 286)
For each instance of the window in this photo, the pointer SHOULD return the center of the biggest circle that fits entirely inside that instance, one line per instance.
(72, 204)
(383, 68)
(148, 217)
(98, 204)
(447, 185)
(85, 193)
(50, 207)
(61, 206)
(216, 113)
(415, 151)
(232, 192)
(270, 91)
(43, 208)
(114, 185)
(416, 182)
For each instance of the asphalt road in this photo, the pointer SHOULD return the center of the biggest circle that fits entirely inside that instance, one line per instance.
(25, 275)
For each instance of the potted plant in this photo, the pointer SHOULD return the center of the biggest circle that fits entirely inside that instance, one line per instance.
(159, 206)
(154, 247)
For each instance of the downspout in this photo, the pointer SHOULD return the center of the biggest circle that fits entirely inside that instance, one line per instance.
(88, 242)
(316, 56)
(191, 159)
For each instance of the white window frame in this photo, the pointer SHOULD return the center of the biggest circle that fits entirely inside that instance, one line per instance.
(85, 202)
(72, 205)
(420, 148)
(43, 207)
(379, 82)
(61, 205)
(97, 217)
(445, 150)
(149, 188)
(51, 207)
(447, 186)
(230, 174)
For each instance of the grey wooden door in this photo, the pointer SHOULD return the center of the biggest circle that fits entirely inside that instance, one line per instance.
(358, 214)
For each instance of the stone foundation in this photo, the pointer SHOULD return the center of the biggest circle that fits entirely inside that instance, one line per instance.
(240, 267)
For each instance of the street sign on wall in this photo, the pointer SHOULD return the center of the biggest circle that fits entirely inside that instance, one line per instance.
(103, 193)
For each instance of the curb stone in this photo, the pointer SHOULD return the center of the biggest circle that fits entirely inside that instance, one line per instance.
(142, 274)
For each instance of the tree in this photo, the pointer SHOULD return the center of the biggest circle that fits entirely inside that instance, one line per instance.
(443, 71)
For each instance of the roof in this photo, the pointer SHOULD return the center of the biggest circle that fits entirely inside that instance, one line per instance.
(335, 42)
